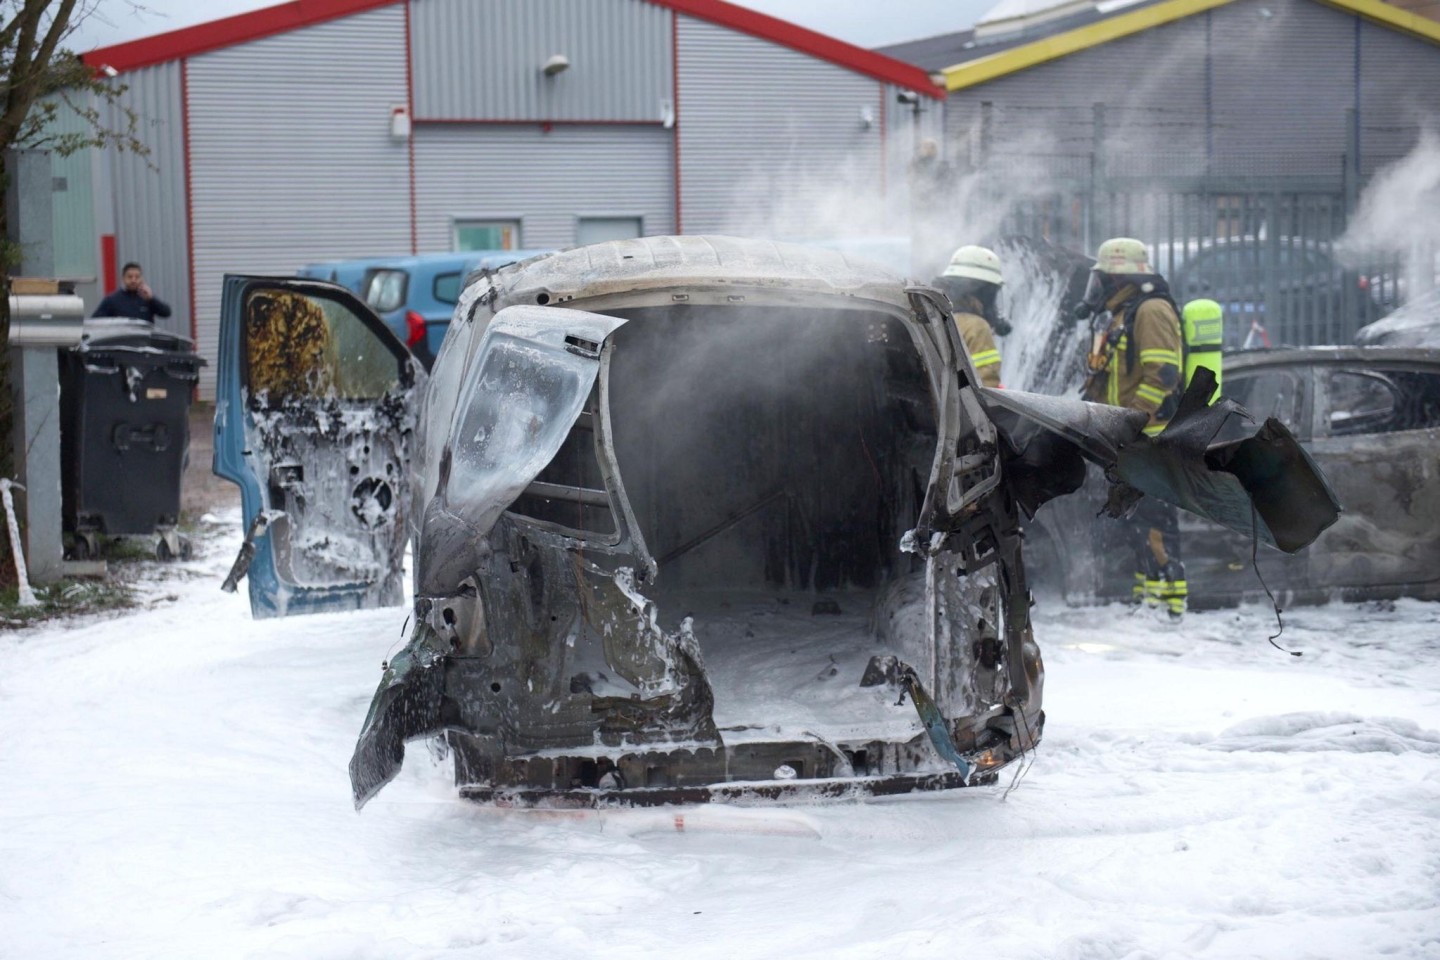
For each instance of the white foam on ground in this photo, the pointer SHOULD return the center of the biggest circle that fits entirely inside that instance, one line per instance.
(173, 784)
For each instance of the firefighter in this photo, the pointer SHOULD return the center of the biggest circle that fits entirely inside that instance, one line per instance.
(972, 281)
(1136, 360)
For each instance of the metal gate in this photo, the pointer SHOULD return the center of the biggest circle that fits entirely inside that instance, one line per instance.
(1267, 254)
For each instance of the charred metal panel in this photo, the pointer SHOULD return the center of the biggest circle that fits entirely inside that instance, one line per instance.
(482, 60)
(291, 162)
(474, 172)
(148, 196)
(801, 153)
(1388, 537)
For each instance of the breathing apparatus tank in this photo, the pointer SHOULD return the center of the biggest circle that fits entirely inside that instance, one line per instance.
(1203, 326)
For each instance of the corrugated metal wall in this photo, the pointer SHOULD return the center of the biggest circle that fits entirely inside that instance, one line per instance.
(1153, 86)
(481, 59)
(1283, 79)
(1279, 78)
(771, 140)
(148, 193)
(291, 156)
(544, 180)
(1399, 93)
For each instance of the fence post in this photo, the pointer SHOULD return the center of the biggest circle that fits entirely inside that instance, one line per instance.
(1095, 225)
(1349, 294)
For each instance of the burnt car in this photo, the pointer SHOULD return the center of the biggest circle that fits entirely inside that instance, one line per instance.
(1416, 324)
(693, 518)
(1370, 418)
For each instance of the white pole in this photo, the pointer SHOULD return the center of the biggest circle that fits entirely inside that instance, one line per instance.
(27, 596)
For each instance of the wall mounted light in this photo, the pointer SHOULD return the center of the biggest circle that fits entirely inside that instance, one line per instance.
(867, 118)
(559, 63)
(109, 71)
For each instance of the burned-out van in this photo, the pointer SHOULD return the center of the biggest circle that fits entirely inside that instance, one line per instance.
(692, 518)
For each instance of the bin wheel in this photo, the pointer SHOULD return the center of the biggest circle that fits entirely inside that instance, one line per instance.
(187, 549)
(85, 547)
(162, 551)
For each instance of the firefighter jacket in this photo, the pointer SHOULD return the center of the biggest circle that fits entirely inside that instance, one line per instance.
(1140, 362)
(979, 343)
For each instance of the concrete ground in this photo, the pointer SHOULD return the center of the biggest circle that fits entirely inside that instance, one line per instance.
(201, 491)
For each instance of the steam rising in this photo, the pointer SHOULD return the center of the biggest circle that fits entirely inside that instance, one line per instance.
(1399, 214)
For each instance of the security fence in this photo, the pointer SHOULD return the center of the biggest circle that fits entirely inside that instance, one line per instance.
(1267, 248)
(1266, 253)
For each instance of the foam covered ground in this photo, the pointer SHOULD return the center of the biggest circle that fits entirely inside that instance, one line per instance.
(173, 784)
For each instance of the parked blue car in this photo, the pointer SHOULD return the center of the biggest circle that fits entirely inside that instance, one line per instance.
(350, 274)
(414, 295)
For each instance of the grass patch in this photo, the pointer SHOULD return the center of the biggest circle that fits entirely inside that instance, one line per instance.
(67, 598)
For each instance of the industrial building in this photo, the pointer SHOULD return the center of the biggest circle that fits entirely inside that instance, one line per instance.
(351, 128)
(1259, 123)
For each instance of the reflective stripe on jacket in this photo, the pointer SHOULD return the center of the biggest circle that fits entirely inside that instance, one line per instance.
(980, 344)
(1155, 375)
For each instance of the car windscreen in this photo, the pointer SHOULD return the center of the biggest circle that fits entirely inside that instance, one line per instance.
(446, 288)
(385, 289)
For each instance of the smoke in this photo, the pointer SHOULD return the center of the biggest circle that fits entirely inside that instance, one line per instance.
(931, 204)
(1399, 215)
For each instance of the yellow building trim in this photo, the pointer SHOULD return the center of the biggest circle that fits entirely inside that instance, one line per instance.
(1073, 41)
(985, 69)
(1390, 16)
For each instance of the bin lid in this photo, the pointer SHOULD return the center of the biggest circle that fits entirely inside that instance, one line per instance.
(133, 335)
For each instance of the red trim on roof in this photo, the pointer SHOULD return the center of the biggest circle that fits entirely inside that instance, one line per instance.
(266, 22)
(796, 37)
(227, 32)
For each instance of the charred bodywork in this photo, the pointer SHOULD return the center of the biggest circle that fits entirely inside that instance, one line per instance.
(1370, 418)
(701, 518)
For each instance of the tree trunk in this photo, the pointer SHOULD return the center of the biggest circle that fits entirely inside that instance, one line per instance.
(7, 395)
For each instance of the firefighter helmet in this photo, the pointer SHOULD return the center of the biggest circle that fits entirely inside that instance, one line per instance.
(1122, 255)
(975, 263)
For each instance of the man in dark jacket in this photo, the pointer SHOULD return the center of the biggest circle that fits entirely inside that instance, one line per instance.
(133, 299)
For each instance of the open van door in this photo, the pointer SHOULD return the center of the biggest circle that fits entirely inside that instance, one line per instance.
(314, 420)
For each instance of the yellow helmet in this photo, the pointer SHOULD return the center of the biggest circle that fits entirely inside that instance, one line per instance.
(1122, 255)
(975, 263)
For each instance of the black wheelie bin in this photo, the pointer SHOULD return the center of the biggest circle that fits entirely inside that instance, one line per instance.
(125, 434)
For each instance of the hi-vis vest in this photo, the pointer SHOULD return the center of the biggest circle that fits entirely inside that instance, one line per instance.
(1202, 329)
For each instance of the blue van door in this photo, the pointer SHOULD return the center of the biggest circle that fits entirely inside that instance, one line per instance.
(314, 415)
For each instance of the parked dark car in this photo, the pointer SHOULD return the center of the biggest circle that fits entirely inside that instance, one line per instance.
(693, 518)
(1369, 417)
(1296, 290)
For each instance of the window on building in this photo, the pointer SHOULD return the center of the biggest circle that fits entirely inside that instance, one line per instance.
(600, 229)
(487, 235)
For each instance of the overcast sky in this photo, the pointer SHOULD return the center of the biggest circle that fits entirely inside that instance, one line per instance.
(861, 22)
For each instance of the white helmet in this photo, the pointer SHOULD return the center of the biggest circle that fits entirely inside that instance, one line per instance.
(975, 263)
(1122, 255)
